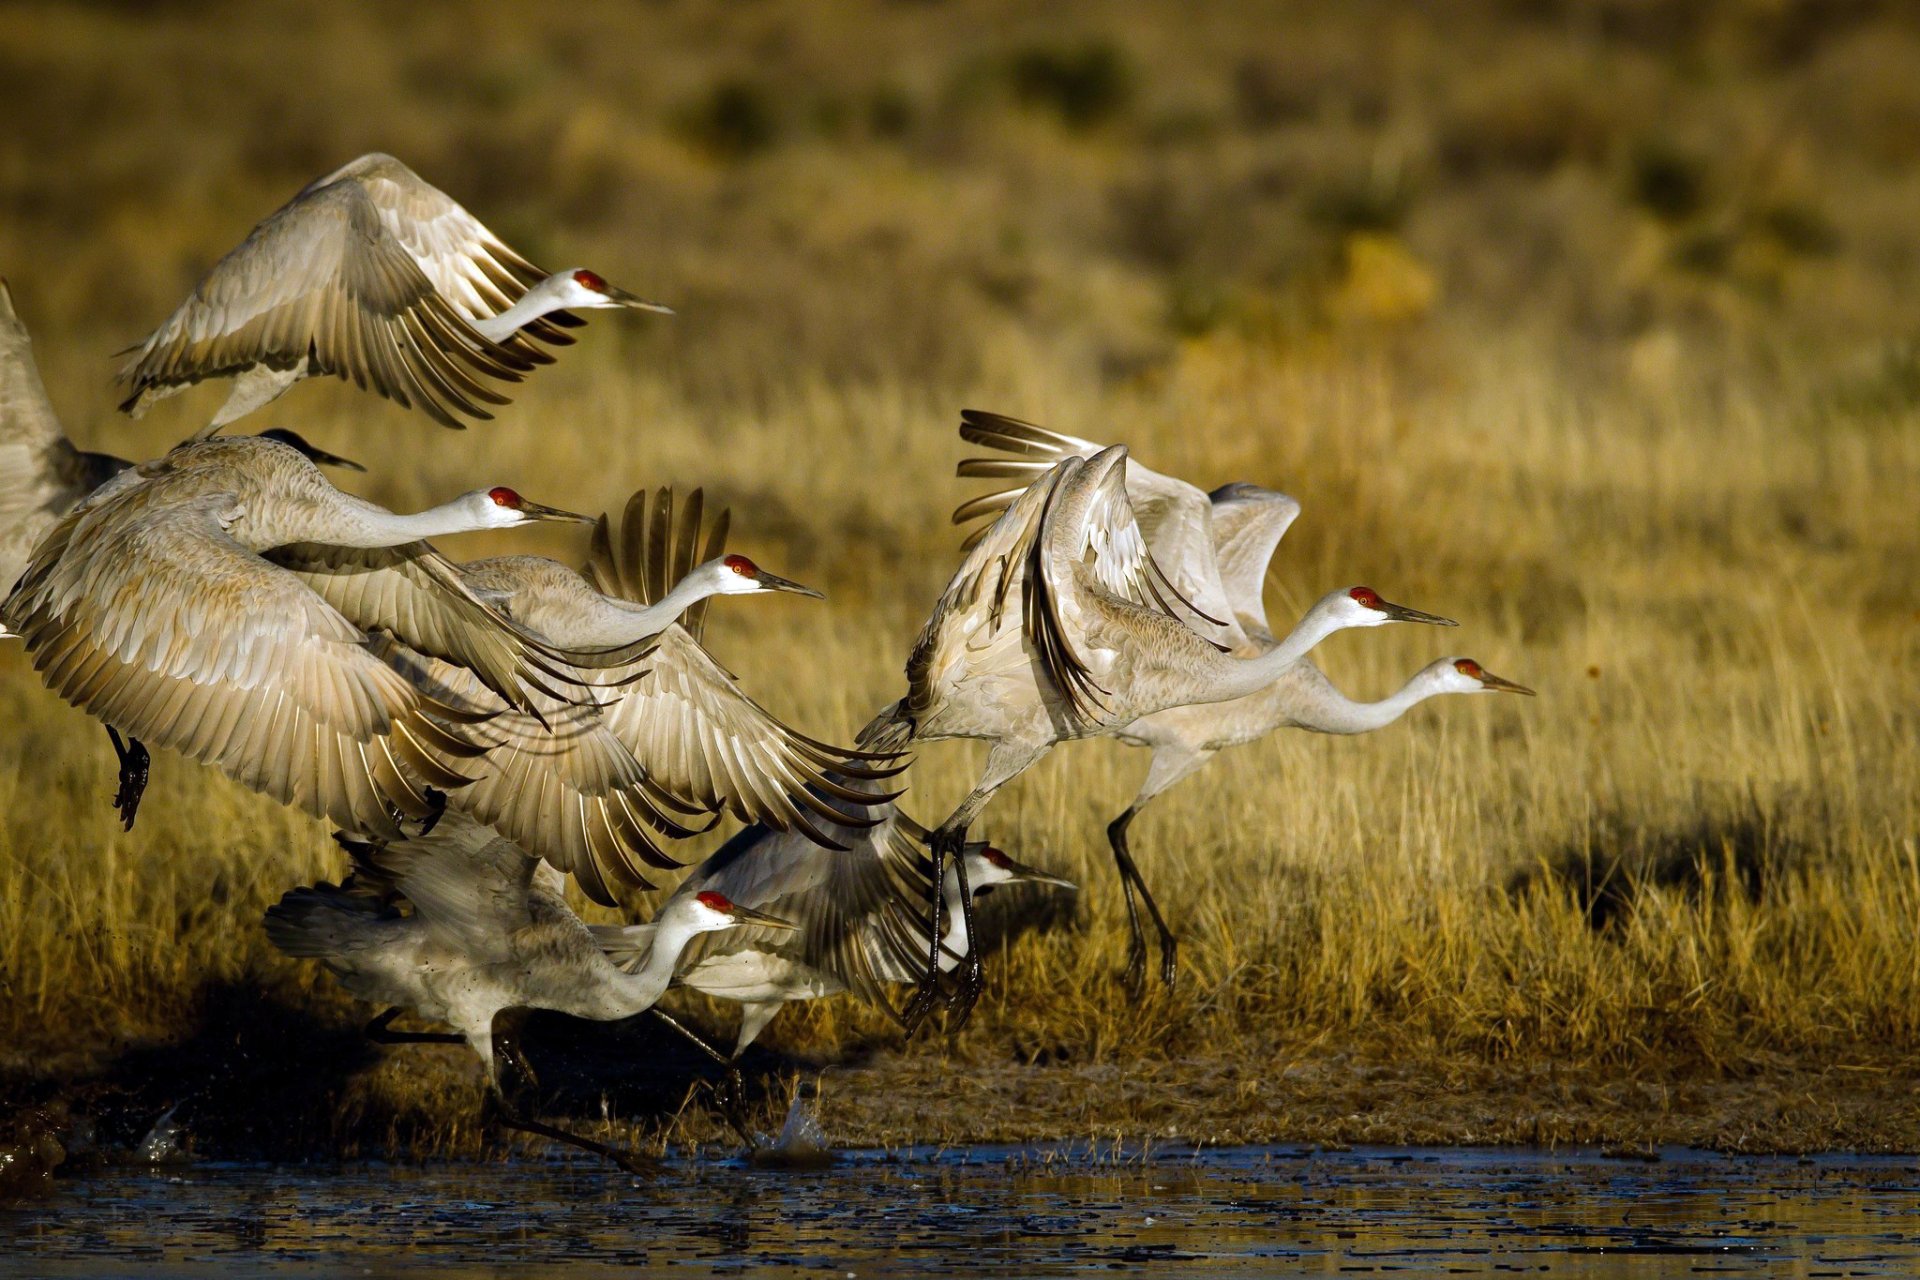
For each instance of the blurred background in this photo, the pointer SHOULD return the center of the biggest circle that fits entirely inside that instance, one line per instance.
(1587, 322)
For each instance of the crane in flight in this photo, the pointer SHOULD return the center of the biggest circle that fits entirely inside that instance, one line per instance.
(1216, 547)
(489, 932)
(1060, 625)
(156, 606)
(370, 274)
(42, 475)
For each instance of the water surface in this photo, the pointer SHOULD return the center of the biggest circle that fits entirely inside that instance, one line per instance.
(998, 1211)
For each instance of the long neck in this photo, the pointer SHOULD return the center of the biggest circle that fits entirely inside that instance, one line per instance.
(533, 304)
(636, 992)
(1242, 676)
(623, 623)
(357, 523)
(1335, 712)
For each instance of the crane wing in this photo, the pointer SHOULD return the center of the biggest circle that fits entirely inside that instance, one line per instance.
(1248, 523)
(655, 551)
(472, 268)
(704, 743)
(707, 747)
(1089, 529)
(861, 914)
(563, 787)
(468, 884)
(323, 280)
(1174, 517)
(41, 473)
(422, 598)
(144, 613)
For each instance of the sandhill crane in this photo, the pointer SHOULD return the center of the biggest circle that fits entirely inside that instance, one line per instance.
(158, 610)
(1216, 548)
(368, 273)
(1047, 634)
(674, 740)
(860, 917)
(490, 931)
(42, 475)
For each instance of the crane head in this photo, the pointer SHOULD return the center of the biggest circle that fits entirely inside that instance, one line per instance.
(988, 867)
(1363, 607)
(712, 910)
(735, 575)
(581, 289)
(503, 508)
(1464, 675)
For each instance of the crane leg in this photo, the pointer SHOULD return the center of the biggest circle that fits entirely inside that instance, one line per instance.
(972, 979)
(379, 1032)
(135, 764)
(506, 1047)
(940, 844)
(630, 1161)
(1131, 879)
(730, 1095)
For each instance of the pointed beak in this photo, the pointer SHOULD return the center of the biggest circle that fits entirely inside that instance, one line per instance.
(1499, 684)
(1024, 874)
(747, 915)
(621, 297)
(774, 582)
(540, 511)
(1400, 613)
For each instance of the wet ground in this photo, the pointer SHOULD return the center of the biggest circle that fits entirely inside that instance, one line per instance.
(998, 1211)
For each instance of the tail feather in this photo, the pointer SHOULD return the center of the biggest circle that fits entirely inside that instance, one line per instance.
(325, 920)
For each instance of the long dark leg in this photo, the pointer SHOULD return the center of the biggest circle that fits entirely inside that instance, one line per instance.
(1135, 974)
(379, 1032)
(972, 979)
(135, 764)
(632, 1162)
(942, 844)
(1169, 945)
(506, 1046)
(730, 1095)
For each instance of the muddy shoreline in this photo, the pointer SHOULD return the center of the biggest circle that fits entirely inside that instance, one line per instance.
(256, 1089)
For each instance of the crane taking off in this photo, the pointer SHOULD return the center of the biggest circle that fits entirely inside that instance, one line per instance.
(369, 274)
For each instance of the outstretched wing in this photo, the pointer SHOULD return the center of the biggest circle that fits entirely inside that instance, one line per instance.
(470, 266)
(145, 613)
(1173, 516)
(468, 884)
(703, 742)
(861, 914)
(422, 598)
(563, 787)
(323, 280)
(1248, 523)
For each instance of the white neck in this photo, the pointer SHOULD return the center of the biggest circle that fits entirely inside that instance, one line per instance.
(533, 304)
(624, 622)
(636, 992)
(1337, 713)
(1243, 676)
(358, 523)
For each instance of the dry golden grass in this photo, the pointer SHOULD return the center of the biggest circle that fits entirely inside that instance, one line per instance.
(1626, 385)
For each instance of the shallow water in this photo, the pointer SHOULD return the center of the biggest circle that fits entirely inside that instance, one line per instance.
(998, 1211)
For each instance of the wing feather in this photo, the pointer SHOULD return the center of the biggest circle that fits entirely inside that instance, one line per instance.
(146, 614)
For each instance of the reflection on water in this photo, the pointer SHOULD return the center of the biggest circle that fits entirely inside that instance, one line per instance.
(1000, 1211)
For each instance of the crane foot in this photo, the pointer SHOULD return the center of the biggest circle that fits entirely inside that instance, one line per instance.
(135, 764)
